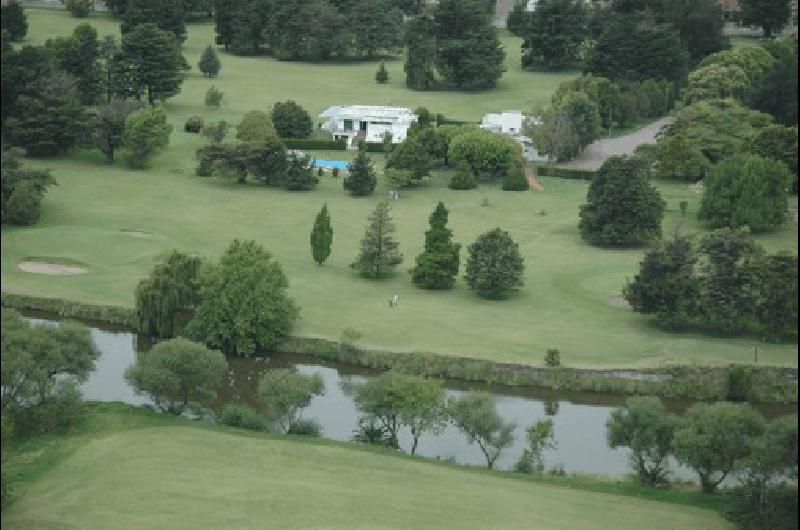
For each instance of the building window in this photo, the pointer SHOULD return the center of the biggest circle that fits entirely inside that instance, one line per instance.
(348, 125)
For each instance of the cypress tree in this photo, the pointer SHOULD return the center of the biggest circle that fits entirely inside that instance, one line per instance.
(209, 62)
(321, 236)
(361, 179)
(378, 254)
(382, 75)
(437, 266)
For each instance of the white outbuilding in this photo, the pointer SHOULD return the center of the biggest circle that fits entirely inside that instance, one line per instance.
(510, 123)
(367, 123)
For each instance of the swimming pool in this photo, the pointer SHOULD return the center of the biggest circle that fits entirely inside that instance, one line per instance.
(340, 164)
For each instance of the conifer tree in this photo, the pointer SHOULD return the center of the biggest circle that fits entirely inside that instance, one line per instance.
(378, 255)
(209, 62)
(361, 179)
(437, 266)
(321, 236)
(382, 75)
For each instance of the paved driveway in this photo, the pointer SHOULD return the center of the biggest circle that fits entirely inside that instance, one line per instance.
(594, 155)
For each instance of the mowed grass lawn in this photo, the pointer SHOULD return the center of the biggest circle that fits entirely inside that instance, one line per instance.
(570, 296)
(185, 476)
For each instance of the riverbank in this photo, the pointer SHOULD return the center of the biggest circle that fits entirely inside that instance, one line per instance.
(768, 384)
(234, 478)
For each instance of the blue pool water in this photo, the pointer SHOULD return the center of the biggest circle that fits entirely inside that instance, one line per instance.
(341, 164)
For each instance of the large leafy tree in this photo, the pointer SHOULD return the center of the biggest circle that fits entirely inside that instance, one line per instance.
(178, 373)
(495, 268)
(488, 156)
(719, 128)
(394, 399)
(776, 92)
(22, 189)
(108, 125)
(476, 416)
(622, 207)
(42, 367)
(79, 56)
(421, 52)
(379, 253)
(361, 179)
(633, 47)
(153, 59)
(14, 20)
(168, 16)
(716, 81)
(146, 133)
(583, 115)
(224, 13)
(48, 116)
(379, 26)
(727, 300)
(755, 61)
(700, 24)
(646, 427)
(771, 15)
(437, 266)
(291, 120)
(321, 236)
(165, 298)
(256, 126)
(778, 142)
(713, 438)
(284, 393)
(777, 300)
(554, 136)
(469, 54)
(243, 305)
(553, 34)
(745, 190)
(666, 284)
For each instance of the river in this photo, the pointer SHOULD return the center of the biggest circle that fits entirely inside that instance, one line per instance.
(578, 417)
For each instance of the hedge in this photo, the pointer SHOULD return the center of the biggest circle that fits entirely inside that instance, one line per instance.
(373, 148)
(315, 145)
(565, 173)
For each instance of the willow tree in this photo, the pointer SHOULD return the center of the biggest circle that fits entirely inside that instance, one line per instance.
(163, 299)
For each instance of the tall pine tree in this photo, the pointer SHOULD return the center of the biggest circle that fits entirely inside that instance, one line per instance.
(322, 236)
(379, 253)
(361, 179)
(209, 62)
(437, 266)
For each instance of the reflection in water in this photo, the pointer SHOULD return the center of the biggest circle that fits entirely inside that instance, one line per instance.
(579, 417)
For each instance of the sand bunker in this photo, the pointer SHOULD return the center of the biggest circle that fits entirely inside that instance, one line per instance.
(141, 234)
(43, 267)
(619, 302)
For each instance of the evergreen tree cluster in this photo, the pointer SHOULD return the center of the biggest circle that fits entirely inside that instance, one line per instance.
(308, 29)
(457, 41)
(725, 284)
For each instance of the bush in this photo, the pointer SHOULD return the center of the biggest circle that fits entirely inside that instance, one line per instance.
(315, 145)
(303, 427)
(79, 8)
(552, 357)
(241, 416)
(515, 181)
(194, 124)
(740, 383)
(462, 179)
(214, 97)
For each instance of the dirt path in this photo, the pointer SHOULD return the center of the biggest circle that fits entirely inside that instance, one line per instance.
(530, 174)
(598, 151)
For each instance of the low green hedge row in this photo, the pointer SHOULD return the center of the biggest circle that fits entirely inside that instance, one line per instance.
(564, 173)
(315, 145)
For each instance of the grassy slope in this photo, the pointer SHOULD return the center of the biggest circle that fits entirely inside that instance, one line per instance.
(137, 470)
(565, 303)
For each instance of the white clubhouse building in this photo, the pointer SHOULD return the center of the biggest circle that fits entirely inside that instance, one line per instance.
(356, 123)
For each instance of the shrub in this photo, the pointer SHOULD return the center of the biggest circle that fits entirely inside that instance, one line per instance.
(79, 8)
(241, 416)
(304, 427)
(515, 181)
(740, 383)
(462, 179)
(552, 357)
(214, 97)
(194, 124)
(382, 75)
